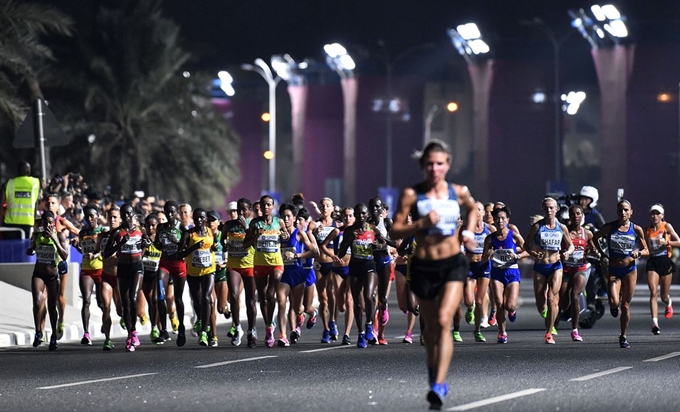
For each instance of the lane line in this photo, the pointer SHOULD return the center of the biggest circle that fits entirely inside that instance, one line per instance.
(324, 349)
(212, 365)
(660, 358)
(496, 399)
(64, 385)
(603, 373)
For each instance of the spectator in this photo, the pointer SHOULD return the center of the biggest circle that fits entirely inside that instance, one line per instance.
(20, 199)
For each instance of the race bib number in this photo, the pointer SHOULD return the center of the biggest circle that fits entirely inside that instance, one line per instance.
(479, 244)
(657, 246)
(551, 240)
(236, 249)
(150, 265)
(576, 258)
(288, 261)
(503, 257)
(88, 245)
(46, 254)
(219, 258)
(201, 258)
(132, 246)
(621, 244)
(268, 243)
(448, 211)
(169, 247)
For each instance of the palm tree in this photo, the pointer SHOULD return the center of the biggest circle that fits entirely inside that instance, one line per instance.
(155, 128)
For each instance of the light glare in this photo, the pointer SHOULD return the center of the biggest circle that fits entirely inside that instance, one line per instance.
(479, 46)
(469, 31)
(265, 117)
(598, 13)
(452, 107)
(611, 12)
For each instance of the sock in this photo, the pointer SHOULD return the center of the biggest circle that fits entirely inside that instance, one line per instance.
(655, 321)
(670, 302)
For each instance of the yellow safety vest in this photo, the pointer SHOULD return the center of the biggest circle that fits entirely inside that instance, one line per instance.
(22, 194)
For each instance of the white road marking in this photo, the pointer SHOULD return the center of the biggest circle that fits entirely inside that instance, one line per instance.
(212, 365)
(603, 373)
(324, 349)
(660, 358)
(64, 385)
(496, 399)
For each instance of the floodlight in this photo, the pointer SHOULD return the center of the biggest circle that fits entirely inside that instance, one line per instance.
(469, 31)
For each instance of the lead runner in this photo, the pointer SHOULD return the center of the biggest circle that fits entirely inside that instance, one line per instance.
(438, 268)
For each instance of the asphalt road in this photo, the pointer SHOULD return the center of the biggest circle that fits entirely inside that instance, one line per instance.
(524, 375)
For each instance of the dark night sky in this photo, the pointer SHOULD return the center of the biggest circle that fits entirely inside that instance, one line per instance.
(224, 33)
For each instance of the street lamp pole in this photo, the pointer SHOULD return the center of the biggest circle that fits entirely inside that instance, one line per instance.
(263, 70)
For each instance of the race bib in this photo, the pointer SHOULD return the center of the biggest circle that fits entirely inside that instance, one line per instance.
(575, 259)
(479, 244)
(621, 244)
(169, 247)
(235, 247)
(132, 246)
(448, 211)
(150, 265)
(551, 240)
(268, 243)
(288, 261)
(88, 245)
(46, 254)
(503, 257)
(201, 258)
(657, 246)
(219, 258)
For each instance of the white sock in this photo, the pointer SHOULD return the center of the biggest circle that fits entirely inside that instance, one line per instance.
(670, 302)
(655, 321)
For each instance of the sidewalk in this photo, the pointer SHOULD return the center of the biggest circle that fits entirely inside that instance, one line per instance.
(17, 329)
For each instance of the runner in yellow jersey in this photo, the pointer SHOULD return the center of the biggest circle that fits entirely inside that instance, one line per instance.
(153, 287)
(89, 244)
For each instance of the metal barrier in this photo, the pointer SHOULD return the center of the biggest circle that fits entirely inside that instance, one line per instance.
(13, 229)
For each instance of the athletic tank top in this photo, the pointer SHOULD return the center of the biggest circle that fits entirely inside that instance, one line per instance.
(621, 244)
(578, 257)
(655, 237)
(201, 261)
(88, 238)
(338, 242)
(447, 209)
(46, 251)
(503, 252)
(549, 239)
(238, 257)
(362, 246)
(479, 240)
(151, 259)
(383, 231)
(293, 245)
(267, 247)
(169, 246)
(219, 253)
(133, 247)
(323, 232)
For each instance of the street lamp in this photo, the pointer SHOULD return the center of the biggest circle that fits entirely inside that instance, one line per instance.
(467, 39)
(451, 107)
(342, 63)
(226, 83)
(263, 70)
(572, 102)
(602, 27)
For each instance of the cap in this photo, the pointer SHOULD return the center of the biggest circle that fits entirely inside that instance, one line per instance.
(657, 208)
(212, 214)
(232, 206)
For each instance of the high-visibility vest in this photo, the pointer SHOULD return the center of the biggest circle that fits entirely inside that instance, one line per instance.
(21, 195)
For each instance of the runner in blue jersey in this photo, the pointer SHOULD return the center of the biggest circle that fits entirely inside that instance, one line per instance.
(622, 236)
(438, 268)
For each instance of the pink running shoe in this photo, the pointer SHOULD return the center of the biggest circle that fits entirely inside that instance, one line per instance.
(576, 337)
(135, 338)
(408, 338)
(269, 337)
(669, 311)
(129, 347)
(384, 316)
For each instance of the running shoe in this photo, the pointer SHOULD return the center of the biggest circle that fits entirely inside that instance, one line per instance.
(227, 313)
(203, 339)
(436, 395)
(60, 331)
(544, 313)
(456, 336)
(669, 311)
(485, 323)
(122, 324)
(144, 319)
(479, 337)
(384, 316)
(512, 316)
(333, 329)
(623, 342)
(549, 339)
(214, 342)
(155, 334)
(370, 335)
(238, 335)
(346, 340)
(614, 311)
(656, 330)
(165, 335)
(295, 335)
(232, 331)
(86, 340)
(470, 315)
(283, 342)
(502, 338)
(408, 338)
(174, 321)
(181, 336)
(53, 343)
(300, 320)
(361, 341)
(269, 337)
(198, 326)
(135, 338)
(326, 336)
(492, 318)
(553, 330)
(252, 340)
(382, 340)
(254, 332)
(575, 336)
(312, 319)
(108, 345)
(129, 346)
(38, 339)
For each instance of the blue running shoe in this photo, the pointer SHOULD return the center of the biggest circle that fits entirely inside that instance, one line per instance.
(361, 341)
(333, 329)
(312, 319)
(326, 337)
(512, 316)
(623, 342)
(370, 336)
(436, 395)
